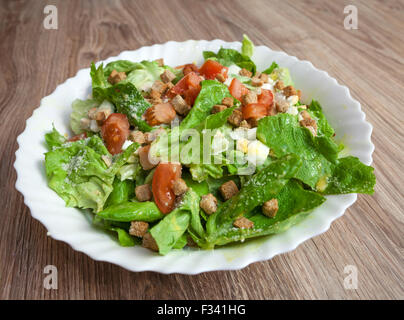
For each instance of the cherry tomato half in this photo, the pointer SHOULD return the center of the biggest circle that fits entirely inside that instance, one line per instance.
(211, 68)
(237, 89)
(114, 131)
(162, 185)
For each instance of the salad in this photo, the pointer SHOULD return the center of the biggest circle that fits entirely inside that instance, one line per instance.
(169, 157)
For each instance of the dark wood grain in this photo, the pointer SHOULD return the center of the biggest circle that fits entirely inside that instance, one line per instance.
(370, 61)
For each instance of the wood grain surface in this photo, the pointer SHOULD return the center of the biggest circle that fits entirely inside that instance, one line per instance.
(370, 61)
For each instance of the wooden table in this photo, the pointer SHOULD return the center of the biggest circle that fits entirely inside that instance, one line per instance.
(370, 61)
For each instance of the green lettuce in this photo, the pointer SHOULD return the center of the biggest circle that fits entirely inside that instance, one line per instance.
(54, 139)
(318, 153)
(129, 101)
(294, 204)
(78, 174)
(168, 232)
(212, 92)
(247, 47)
(228, 57)
(80, 110)
(271, 68)
(316, 112)
(131, 211)
(122, 191)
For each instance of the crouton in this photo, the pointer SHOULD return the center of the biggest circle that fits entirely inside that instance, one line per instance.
(253, 122)
(145, 162)
(143, 192)
(244, 72)
(218, 108)
(149, 242)
(243, 223)
(228, 189)
(220, 77)
(102, 115)
(85, 123)
(159, 86)
(250, 97)
(138, 228)
(228, 101)
(160, 62)
(282, 106)
(256, 82)
(245, 124)
(179, 186)
(91, 113)
(188, 68)
(289, 91)
(167, 76)
(180, 105)
(264, 77)
(116, 77)
(235, 118)
(309, 124)
(299, 94)
(137, 136)
(208, 203)
(270, 208)
(160, 113)
(279, 85)
(154, 94)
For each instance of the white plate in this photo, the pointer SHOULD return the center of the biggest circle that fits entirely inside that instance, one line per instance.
(73, 227)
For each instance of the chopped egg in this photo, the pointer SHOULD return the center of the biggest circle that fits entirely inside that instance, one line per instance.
(257, 152)
(126, 144)
(219, 144)
(293, 110)
(242, 145)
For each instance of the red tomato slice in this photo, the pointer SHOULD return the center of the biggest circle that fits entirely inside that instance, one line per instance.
(254, 110)
(162, 185)
(188, 81)
(114, 131)
(78, 137)
(211, 68)
(237, 89)
(266, 97)
(191, 94)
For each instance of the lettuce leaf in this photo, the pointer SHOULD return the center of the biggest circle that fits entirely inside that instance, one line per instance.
(80, 110)
(131, 211)
(129, 101)
(294, 203)
(76, 171)
(247, 47)
(122, 191)
(54, 139)
(262, 186)
(212, 92)
(283, 134)
(173, 226)
(228, 57)
(272, 67)
(78, 174)
(323, 127)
